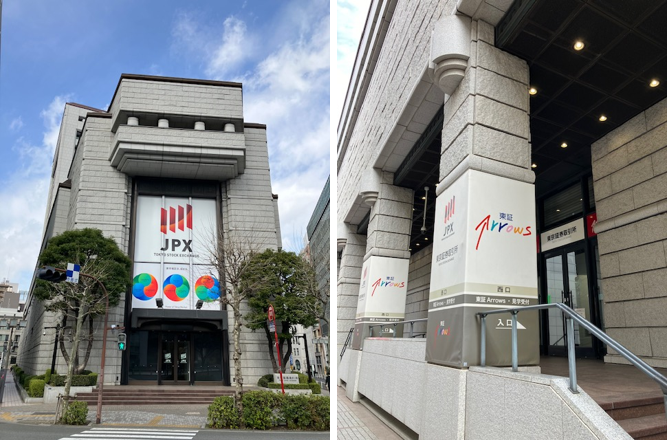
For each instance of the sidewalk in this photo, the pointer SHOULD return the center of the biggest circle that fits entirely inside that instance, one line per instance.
(355, 421)
(13, 410)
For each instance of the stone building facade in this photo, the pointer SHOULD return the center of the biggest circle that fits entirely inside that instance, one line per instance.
(171, 159)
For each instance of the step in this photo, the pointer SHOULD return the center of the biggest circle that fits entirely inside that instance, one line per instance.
(122, 402)
(631, 408)
(653, 427)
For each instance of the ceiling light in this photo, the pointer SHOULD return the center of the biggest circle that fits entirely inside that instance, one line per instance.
(417, 244)
(563, 145)
(558, 210)
(423, 198)
(532, 91)
(426, 238)
(578, 45)
(534, 165)
(603, 118)
(654, 83)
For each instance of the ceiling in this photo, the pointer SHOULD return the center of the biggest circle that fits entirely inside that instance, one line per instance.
(625, 47)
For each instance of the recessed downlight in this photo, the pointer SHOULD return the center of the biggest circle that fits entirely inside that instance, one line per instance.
(654, 83)
(563, 145)
(417, 244)
(534, 165)
(426, 238)
(558, 210)
(578, 45)
(603, 118)
(532, 91)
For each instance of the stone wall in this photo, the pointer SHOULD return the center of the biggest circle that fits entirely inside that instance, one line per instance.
(400, 66)
(630, 183)
(419, 281)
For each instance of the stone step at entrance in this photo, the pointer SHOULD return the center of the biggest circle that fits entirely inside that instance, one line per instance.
(162, 396)
(643, 418)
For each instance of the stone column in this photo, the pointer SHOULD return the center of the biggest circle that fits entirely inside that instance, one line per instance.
(351, 248)
(384, 274)
(484, 246)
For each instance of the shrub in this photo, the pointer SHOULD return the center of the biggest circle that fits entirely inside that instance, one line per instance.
(75, 414)
(321, 411)
(296, 411)
(26, 382)
(289, 386)
(303, 378)
(222, 414)
(265, 380)
(258, 409)
(77, 380)
(316, 387)
(36, 388)
(47, 376)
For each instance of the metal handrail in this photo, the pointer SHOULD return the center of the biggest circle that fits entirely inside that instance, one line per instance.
(411, 322)
(347, 341)
(571, 317)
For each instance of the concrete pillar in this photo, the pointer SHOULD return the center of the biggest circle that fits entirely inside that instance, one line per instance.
(484, 244)
(351, 248)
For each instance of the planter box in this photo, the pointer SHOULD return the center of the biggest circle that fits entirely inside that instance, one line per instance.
(51, 393)
(279, 391)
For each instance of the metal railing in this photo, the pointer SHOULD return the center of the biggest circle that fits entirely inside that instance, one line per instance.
(571, 317)
(385, 324)
(347, 342)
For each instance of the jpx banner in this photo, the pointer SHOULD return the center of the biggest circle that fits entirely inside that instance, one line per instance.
(382, 291)
(483, 259)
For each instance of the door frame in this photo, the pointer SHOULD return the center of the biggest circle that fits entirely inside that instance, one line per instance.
(545, 347)
(175, 358)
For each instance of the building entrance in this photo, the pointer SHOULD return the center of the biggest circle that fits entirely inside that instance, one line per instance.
(176, 357)
(567, 281)
(175, 361)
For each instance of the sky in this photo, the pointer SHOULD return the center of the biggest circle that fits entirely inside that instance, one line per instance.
(75, 51)
(350, 20)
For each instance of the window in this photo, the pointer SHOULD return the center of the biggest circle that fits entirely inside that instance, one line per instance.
(296, 351)
(567, 203)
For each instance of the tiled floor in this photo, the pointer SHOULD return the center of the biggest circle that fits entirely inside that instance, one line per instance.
(11, 396)
(605, 382)
(356, 422)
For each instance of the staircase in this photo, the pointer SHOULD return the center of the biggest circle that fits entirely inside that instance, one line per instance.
(154, 396)
(641, 417)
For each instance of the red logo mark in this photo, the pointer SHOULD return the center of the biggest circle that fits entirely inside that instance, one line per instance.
(184, 218)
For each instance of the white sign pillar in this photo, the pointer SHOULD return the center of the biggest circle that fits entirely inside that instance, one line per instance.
(484, 258)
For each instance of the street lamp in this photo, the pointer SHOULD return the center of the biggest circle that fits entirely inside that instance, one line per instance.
(55, 345)
(305, 341)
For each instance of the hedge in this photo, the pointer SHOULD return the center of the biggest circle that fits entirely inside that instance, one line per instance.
(265, 409)
(265, 380)
(258, 409)
(289, 386)
(36, 388)
(222, 414)
(78, 380)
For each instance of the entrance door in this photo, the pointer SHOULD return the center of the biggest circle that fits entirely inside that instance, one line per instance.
(567, 282)
(175, 358)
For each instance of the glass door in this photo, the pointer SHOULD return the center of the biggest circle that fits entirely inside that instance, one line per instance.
(174, 358)
(567, 282)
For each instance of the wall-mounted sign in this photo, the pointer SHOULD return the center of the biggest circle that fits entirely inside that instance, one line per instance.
(483, 259)
(591, 221)
(172, 238)
(382, 292)
(562, 235)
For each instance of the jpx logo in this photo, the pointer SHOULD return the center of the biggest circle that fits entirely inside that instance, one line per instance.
(175, 243)
(170, 222)
(449, 209)
(184, 218)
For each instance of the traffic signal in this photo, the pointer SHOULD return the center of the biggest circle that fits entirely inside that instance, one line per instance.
(121, 341)
(49, 273)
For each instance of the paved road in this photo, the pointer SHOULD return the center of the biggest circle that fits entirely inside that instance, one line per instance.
(10, 431)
